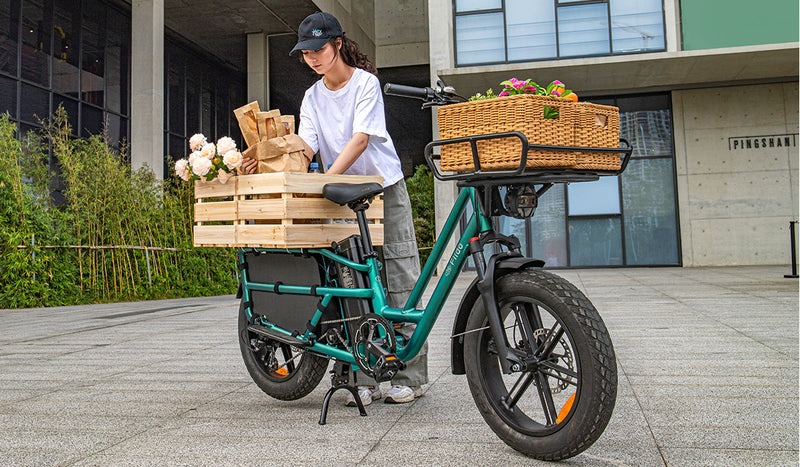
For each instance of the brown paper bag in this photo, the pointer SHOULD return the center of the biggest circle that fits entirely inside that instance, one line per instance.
(281, 154)
(268, 124)
(288, 123)
(246, 116)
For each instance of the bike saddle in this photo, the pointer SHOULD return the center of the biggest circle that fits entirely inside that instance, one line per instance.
(351, 193)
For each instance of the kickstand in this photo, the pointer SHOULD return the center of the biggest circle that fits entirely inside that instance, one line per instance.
(340, 380)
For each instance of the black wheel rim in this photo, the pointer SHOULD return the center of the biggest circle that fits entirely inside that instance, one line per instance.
(277, 362)
(534, 402)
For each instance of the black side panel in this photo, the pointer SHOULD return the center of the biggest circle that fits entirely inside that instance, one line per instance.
(291, 312)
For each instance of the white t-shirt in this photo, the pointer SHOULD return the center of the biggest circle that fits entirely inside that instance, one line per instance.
(329, 119)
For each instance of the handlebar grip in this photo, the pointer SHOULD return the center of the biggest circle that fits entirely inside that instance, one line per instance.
(407, 91)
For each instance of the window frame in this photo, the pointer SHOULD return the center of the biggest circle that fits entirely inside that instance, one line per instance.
(558, 56)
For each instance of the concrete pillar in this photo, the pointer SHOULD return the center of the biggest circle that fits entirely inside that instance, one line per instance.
(258, 69)
(440, 14)
(147, 86)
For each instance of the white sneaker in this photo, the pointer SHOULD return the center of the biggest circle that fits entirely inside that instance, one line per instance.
(402, 394)
(367, 394)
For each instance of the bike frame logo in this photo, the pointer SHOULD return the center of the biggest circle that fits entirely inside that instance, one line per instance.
(453, 259)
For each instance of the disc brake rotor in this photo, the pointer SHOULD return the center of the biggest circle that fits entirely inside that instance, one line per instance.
(562, 356)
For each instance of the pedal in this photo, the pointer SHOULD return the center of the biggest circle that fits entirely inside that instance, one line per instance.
(387, 367)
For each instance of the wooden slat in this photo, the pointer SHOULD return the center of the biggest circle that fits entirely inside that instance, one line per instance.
(301, 208)
(215, 211)
(301, 235)
(289, 182)
(214, 189)
(214, 235)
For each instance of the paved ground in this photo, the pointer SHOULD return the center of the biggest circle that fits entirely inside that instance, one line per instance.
(708, 362)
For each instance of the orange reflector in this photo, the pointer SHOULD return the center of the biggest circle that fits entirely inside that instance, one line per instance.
(474, 238)
(391, 358)
(281, 371)
(562, 414)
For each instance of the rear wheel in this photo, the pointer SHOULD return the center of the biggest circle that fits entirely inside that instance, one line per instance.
(280, 370)
(562, 401)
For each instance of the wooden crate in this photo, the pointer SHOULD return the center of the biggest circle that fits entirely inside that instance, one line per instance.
(277, 210)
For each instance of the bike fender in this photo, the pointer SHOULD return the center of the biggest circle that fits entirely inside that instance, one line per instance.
(468, 300)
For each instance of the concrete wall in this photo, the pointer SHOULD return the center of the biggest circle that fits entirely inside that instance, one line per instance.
(401, 33)
(736, 202)
(357, 18)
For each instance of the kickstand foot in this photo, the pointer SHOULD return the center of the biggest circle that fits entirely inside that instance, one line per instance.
(339, 380)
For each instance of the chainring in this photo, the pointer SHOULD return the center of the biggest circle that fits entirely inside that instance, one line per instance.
(372, 330)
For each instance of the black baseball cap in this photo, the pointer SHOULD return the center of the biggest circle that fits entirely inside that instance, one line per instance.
(316, 30)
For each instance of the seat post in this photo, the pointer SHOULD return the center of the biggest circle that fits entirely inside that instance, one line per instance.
(366, 240)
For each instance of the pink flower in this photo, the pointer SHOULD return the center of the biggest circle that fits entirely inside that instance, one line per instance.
(182, 169)
(504, 93)
(208, 151)
(197, 141)
(557, 83)
(223, 176)
(556, 92)
(201, 166)
(232, 159)
(530, 89)
(225, 144)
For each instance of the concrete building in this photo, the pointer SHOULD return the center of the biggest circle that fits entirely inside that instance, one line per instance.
(708, 94)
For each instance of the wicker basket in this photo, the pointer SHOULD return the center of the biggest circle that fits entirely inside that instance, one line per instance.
(523, 113)
(597, 126)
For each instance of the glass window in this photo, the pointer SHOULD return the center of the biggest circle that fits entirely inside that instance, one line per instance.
(116, 129)
(178, 148)
(207, 108)
(192, 104)
(8, 96)
(66, 31)
(472, 5)
(595, 242)
(480, 38)
(637, 25)
(531, 29)
(648, 131)
(9, 34)
(548, 235)
(649, 204)
(35, 44)
(91, 121)
(34, 104)
(583, 30)
(222, 111)
(118, 54)
(593, 198)
(93, 53)
(175, 96)
(70, 106)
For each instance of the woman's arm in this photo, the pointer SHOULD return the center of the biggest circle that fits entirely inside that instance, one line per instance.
(351, 152)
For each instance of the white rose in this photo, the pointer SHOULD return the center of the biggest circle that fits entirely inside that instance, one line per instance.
(208, 151)
(197, 141)
(201, 166)
(182, 169)
(193, 157)
(225, 144)
(223, 176)
(233, 159)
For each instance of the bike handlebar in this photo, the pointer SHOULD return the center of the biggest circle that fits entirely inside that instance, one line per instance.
(407, 91)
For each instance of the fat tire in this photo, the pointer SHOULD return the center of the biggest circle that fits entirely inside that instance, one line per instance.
(307, 374)
(594, 353)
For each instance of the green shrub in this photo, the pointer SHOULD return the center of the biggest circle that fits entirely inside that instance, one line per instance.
(420, 192)
(107, 205)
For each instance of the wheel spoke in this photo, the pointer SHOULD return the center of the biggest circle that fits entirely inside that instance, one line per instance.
(524, 321)
(559, 369)
(546, 397)
(547, 346)
(288, 358)
(519, 388)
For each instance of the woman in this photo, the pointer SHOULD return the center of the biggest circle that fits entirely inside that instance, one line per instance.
(342, 118)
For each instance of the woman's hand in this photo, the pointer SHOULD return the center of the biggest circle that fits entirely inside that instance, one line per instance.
(248, 167)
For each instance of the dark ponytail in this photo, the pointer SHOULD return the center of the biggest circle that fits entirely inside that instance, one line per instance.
(353, 56)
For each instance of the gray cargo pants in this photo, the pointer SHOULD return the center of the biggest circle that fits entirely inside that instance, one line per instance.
(401, 264)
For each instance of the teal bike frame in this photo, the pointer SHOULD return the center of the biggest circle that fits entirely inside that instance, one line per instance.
(424, 318)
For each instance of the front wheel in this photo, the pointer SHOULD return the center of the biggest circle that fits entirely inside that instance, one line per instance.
(280, 370)
(562, 401)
